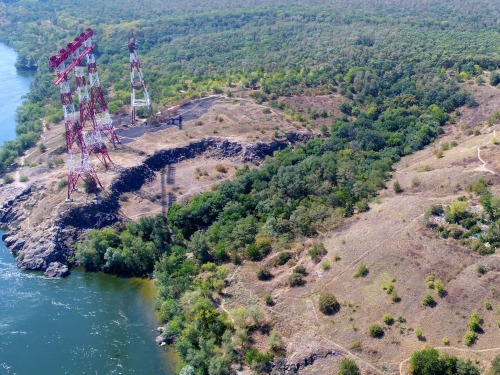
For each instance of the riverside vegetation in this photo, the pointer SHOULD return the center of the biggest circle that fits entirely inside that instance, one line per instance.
(399, 70)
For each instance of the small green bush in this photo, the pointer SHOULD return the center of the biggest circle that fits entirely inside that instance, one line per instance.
(362, 271)
(253, 252)
(42, 147)
(418, 333)
(475, 322)
(264, 274)
(300, 269)
(446, 341)
(388, 319)
(439, 287)
(348, 367)
(375, 330)
(23, 178)
(295, 279)
(397, 187)
(470, 338)
(487, 305)
(7, 179)
(266, 111)
(268, 300)
(428, 300)
(283, 257)
(325, 266)
(317, 251)
(328, 304)
(61, 184)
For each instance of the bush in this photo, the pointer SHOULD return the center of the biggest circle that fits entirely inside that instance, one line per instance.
(300, 269)
(42, 147)
(397, 187)
(325, 266)
(418, 333)
(495, 366)
(23, 178)
(445, 146)
(439, 287)
(220, 168)
(283, 257)
(470, 338)
(362, 271)
(348, 367)
(446, 341)
(475, 322)
(317, 251)
(328, 304)
(494, 79)
(61, 184)
(375, 330)
(487, 305)
(264, 274)
(7, 179)
(266, 111)
(428, 300)
(253, 252)
(264, 244)
(253, 355)
(439, 154)
(268, 300)
(295, 279)
(388, 319)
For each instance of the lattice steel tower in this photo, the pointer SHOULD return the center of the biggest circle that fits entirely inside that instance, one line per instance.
(137, 83)
(83, 136)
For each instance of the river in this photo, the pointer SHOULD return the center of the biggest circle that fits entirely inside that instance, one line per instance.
(87, 323)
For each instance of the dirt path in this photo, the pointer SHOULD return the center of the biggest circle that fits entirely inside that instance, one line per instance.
(483, 167)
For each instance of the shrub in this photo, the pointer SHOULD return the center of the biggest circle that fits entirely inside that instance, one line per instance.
(268, 300)
(264, 244)
(470, 338)
(325, 266)
(266, 111)
(58, 162)
(428, 300)
(295, 279)
(253, 252)
(362, 271)
(475, 322)
(439, 154)
(487, 305)
(446, 341)
(418, 333)
(439, 287)
(61, 184)
(445, 146)
(220, 168)
(7, 179)
(375, 330)
(317, 251)
(23, 178)
(283, 257)
(362, 205)
(328, 304)
(253, 355)
(42, 147)
(198, 123)
(264, 274)
(388, 319)
(348, 367)
(495, 366)
(397, 187)
(453, 144)
(336, 257)
(481, 270)
(389, 288)
(300, 269)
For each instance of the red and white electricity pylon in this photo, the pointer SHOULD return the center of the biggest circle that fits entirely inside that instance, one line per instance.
(139, 83)
(83, 136)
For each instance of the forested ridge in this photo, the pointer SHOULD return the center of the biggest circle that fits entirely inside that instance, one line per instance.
(400, 67)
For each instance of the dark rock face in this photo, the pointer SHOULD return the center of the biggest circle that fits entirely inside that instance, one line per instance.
(57, 269)
(53, 242)
(286, 366)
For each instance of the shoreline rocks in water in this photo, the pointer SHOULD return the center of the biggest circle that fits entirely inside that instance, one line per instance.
(57, 270)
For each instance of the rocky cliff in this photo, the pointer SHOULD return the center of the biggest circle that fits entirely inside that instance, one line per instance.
(51, 244)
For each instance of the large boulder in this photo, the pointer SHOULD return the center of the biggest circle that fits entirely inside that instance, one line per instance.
(57, 269)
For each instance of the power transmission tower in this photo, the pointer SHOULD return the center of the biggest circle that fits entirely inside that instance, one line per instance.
(137, 83)
(83, 135)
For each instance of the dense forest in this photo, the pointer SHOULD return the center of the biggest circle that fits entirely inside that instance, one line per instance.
(399, 66)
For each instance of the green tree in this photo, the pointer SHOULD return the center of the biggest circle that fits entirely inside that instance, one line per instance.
(426, 362)
(348, 367)
(328, 304)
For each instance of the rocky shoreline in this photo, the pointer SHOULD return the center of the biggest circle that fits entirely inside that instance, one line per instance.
(49, 246)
